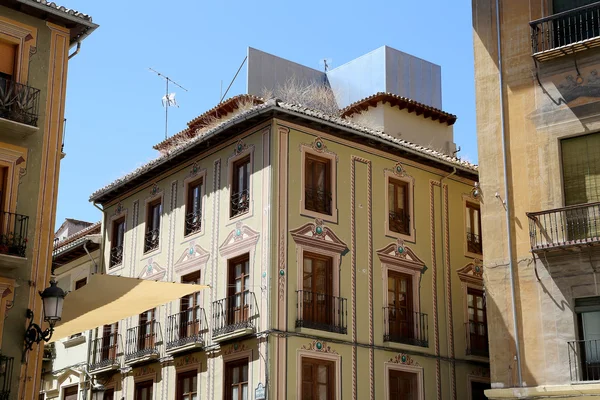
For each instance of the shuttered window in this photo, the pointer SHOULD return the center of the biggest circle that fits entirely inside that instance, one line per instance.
(8, 54)
(581, 169)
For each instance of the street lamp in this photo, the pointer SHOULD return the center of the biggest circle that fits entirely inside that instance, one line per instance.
(98, 391)
(52, 298)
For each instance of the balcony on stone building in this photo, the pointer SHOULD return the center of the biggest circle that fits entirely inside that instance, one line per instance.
(142, 342)
(321, 311)
(402, 325)
(13, 239)
(19, 107)
(566, 32)
(565, 227)
(106, 353)
(186, 330)
(234, 316)
(584, 360)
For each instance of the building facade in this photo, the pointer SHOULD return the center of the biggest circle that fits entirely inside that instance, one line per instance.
(35, 37)
(343, 262)
(537, 119)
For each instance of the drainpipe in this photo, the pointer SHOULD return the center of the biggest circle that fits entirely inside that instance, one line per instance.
(506, 194)
(76, 50)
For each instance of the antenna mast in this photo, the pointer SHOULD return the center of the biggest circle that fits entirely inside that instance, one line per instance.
(169, 99)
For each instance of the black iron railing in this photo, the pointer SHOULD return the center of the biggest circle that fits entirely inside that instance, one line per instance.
(317, 200)
(106, 351)
(565, 28)
(402, 326)
(188, 326)
(6, 370)
(116, 256)
(321, 311)
(477, 339)
(584, 360)
(234, 313)
(399, 222)
(566, 226)
(240, 202)
(151, 240)
(13, 234)
(143, 340)
(193, 222)
(474, 243)
(19, 103)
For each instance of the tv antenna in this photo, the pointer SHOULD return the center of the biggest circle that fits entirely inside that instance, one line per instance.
(325, 63)
(168, 99)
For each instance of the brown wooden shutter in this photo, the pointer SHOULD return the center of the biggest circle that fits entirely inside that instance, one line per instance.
(581, 169)
(8, 56)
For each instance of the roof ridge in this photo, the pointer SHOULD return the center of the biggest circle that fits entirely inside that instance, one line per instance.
(76, 235)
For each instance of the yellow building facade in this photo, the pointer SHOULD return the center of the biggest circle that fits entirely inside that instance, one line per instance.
(35, 38)
(342, 262)
(537, 121)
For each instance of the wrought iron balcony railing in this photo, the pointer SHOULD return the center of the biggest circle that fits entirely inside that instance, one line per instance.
(399, 222)
(474, 243)
(185, 327)
(577, 29)
(317, 200)
(193, 222)
(13, 234)
(19, 103)
(240, 202)
(564, 227)
(106, 351)
(402, 326)
(116, 256)
(477, 339)
(234, 313)
(151, 240)
(321, 311)
(584, 360)
(143, 340)
(6, 370)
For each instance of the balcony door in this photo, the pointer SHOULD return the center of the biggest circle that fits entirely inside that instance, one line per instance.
(478, 338)
(109, 342)
(146, 334)
(189, 325)
(588, 318)
(401, 319)
(318, 307)
(318, 184)
(236, 380)
(143, 390)
(238, 302)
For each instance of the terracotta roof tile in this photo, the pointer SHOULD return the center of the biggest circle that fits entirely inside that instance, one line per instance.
(65, 10)
(90, 230)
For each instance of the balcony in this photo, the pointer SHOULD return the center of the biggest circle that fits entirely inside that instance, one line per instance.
(106, 352)
(584, 360)
(402, 326)
(19, 107)
(13, 239)
(142, 342)
(193, 222)
(6, 370)
(399, 222)
(240, 203)
(186, 330)
(474, 243)
(116, 256)
(317, 200)
(565, 227)
(234, 316)
(321, 311)
(566, 32)
(477, 339)
(151, 240)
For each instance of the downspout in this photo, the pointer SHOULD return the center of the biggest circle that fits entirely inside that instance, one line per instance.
(76, 50)
(506, 194)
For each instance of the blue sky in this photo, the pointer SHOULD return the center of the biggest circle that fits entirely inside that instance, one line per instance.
(114, 113)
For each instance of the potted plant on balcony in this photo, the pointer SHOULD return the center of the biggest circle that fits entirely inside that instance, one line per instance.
(4, 247)
(16, 245)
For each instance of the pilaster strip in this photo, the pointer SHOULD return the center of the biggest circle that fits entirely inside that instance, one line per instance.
(214, 245)
(449, 294)
(436, 340)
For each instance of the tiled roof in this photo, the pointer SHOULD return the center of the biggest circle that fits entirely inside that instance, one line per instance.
(401, 102)
(291, 109)
(65, 10)
(90, 230)
(203, 120)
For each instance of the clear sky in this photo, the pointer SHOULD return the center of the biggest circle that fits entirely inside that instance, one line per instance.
(114, 113)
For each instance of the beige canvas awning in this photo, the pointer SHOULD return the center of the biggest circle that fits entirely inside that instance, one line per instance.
(106, 299)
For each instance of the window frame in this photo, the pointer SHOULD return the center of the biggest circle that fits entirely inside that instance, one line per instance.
(471, 277)
(77, 284)
(242, 158)
(65, 389)
(233, 358)
(310, 151)
(148, 204)
(320, 355)
(468, 199)
(200, 176)
(144, 381)
(114, 232)
(413, 369)
(186, 374)
(410, 182)
(331, 373)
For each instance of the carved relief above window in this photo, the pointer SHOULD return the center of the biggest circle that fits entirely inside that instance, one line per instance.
(399, 212)
(152, 271)
(192, 259)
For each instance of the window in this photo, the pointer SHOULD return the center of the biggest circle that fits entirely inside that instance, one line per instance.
(398, 212)
(190, 308)
(109, 394)
(80, 283)
(70, 393)
(146, 330)
(478, 389)
(581, 169)
(116, 242)
(317, 184)
(8, 54)
(586, 351)
(187, 386)
(238, 307)
(240, 190)
(478, 338)
(317, 301)
(143, 390)
(236, 380)
(110, 335)
(473, 228)
(318, 379)
(193, 207)
(152, 225)
(403, 385)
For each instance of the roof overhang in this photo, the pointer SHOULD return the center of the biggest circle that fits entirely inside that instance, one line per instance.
(106, 299)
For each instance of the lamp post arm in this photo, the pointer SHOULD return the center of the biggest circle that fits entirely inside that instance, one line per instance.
(34, 334)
